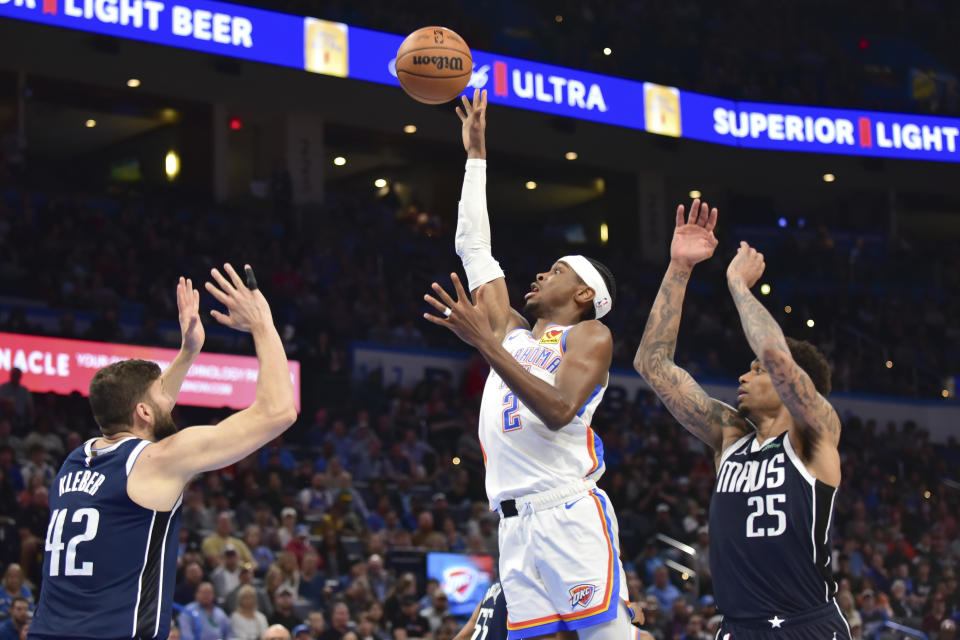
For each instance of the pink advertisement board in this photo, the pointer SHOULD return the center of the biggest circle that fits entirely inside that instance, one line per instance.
(64, 366)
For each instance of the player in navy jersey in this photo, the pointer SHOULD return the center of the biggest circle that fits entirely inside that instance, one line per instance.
(111, 545)
(778, 468)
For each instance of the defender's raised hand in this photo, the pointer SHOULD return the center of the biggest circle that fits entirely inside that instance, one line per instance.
(188, 305)
(246, 309)
(746, 267)
(693, 240)
(473, 115)
(469, 321)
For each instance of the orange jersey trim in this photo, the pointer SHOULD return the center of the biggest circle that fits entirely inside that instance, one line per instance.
(592, 451)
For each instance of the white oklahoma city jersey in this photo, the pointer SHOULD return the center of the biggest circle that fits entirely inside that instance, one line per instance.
(521, 454)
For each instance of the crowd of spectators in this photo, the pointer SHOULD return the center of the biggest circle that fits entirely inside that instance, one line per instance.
(898, 56)
(315, 531)
(103, 269)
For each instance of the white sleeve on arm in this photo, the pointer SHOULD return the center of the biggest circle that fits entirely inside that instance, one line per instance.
(473, 227)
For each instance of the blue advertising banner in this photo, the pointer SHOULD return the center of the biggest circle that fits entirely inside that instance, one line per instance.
(515, 82)
(335, 49)
(819, 130)
(464, 578)
(202, 25)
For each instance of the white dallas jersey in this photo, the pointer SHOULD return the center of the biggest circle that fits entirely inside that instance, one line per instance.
(521, 454)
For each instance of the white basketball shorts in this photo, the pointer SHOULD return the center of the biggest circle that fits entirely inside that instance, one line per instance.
(560, 561)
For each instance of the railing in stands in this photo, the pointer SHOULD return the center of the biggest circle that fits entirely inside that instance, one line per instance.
(893, 626)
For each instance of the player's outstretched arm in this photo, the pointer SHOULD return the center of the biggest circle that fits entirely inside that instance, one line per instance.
(192, 336)
(472, 241)
(814, 415)
(162, 469)
(704, 417)
(466, 632)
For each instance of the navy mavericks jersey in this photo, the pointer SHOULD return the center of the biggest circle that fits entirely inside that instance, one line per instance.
(109, 564)
(492, 619)
(769, 528)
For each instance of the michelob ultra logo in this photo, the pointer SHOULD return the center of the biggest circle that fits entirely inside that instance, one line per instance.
(530, 85)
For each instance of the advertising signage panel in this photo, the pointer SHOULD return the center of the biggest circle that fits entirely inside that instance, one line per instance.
(337, 49)
(63, 366)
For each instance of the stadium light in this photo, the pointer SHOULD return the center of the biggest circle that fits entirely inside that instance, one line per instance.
(765, 289)
(380, 183)
(694, 193)
(829, 177)
(571, 155)
(558, 18)
(788, 309)
(171, 165)
(409, 128)
(339, 161)
(531, 185)
(810, 323)
(607, 51)
(604, 232)
(133, 83)
(90, 124)
(888, 364)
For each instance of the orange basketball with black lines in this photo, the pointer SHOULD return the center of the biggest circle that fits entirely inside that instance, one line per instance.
(434, 65)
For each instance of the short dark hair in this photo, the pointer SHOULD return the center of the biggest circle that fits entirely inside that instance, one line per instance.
(608, 279)
(813, 362)
(115, 391)
(16, 599)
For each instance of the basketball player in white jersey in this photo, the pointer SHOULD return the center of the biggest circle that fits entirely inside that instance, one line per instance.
(559, 548)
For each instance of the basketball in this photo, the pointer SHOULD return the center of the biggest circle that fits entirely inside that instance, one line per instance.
(434, 65)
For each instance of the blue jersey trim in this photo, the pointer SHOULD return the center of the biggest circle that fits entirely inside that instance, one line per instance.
(593, 395)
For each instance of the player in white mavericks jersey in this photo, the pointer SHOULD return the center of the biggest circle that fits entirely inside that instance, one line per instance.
(559, 546)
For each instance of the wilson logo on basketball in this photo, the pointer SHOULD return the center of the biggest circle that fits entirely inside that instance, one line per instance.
(440, 62)
(581, 595)
(458, 583)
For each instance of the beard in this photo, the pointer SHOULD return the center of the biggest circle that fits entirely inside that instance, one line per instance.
(164, 426)
(531, 309)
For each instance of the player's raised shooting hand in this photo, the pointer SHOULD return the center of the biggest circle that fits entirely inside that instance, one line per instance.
(693, 240)
(473, 115)
(746, 267)
(188, 306)
(469, 321)
(247, 309)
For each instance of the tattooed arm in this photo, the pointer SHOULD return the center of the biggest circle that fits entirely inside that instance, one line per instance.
(708, 419)
(815, 416)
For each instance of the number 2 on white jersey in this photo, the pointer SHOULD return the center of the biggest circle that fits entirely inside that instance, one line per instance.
(511, 407)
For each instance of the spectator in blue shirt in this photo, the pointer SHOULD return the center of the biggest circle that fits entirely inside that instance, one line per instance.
(19, 617)
(11, 588)
(663, 589)
(202, 619)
